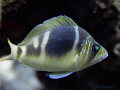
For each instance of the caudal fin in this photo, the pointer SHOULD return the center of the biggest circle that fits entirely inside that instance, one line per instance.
(9, 57)
(13, 52)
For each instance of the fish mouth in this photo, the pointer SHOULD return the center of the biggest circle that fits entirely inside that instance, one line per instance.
(100, 58)
(104, 56)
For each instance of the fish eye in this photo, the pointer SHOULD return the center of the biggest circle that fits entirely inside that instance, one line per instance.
(95, 48)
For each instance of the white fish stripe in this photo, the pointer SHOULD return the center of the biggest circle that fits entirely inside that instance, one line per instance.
(75, 44)
(36, 42)
(77, 36)
(23, 51)
(44, 42)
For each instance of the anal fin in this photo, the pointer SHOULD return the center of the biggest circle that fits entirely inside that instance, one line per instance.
(57, 75)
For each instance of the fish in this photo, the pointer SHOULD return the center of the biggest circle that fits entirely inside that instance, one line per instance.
(58, 46)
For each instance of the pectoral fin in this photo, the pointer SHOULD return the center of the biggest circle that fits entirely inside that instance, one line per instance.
(58, 75)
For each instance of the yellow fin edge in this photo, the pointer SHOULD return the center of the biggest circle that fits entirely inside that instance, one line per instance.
(8, 57)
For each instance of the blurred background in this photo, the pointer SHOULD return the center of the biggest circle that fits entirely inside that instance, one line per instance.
(101, 18)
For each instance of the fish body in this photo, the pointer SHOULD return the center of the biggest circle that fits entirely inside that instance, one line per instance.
(59, 46)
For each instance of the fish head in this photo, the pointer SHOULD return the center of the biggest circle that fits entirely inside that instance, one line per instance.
(90, 53)
(94, 52)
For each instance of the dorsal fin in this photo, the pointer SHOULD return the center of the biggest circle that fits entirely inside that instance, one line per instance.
(48, 25)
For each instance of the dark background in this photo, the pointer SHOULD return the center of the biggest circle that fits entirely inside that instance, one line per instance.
(103, 23)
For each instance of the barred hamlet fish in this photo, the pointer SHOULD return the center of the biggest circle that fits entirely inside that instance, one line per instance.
(59, 46)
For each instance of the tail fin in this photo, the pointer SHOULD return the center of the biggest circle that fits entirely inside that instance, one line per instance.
(13, 52)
